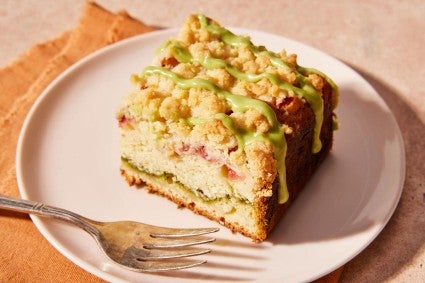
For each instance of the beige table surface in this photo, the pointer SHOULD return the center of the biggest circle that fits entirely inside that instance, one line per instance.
(382, 40)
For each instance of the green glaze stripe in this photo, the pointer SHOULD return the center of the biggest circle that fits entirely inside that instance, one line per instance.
(238, 103)
(335, 93)
(307, 91)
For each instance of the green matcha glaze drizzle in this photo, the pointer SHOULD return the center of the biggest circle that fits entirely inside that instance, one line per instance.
(335, 93)
(307, 90)
(238, 103)
(226, 35)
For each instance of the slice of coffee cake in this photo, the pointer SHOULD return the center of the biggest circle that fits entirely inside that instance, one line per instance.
(226, 128)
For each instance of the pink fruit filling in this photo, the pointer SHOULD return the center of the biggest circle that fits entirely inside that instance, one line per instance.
(124, 121)
(200, 150)
(233, 175)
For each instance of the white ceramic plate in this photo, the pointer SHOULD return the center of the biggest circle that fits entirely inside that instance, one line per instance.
(68, 156)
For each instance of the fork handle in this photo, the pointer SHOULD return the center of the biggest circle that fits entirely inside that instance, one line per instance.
(40, 209)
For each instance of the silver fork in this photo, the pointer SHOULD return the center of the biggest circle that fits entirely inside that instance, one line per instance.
(133, 245)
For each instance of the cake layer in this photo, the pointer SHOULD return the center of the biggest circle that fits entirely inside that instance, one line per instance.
(204, 171)
(234, 213)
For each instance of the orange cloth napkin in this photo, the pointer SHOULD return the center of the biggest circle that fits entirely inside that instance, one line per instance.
(25, 256)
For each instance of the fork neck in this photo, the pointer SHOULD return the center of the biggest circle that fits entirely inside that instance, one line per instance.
(40, 209)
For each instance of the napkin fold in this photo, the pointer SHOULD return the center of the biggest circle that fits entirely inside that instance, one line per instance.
(25, 255)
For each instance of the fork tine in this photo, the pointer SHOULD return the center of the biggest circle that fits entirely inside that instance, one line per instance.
(164, 232)
(167, 254)
(176, 243)
(153, 266)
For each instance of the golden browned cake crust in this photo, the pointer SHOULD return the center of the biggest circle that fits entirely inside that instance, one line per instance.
(225, 128)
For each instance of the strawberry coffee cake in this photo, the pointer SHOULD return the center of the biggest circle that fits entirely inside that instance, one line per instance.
(226, 128)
